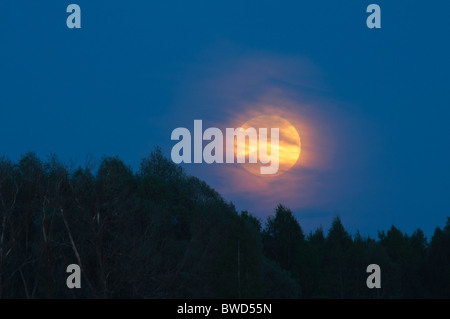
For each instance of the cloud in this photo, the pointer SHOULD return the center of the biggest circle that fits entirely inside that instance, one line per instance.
(234, 88)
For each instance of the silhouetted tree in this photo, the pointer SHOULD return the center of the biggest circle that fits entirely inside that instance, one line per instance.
(160, 233)
(438, 270)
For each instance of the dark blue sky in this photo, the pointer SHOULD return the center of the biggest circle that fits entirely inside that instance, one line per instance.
(378, 100)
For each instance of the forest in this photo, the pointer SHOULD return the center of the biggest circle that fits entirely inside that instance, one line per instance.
(160, 233)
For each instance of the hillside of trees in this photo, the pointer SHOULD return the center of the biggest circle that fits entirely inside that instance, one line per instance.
(159, 233)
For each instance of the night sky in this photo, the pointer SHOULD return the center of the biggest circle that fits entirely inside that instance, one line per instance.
(371, 106)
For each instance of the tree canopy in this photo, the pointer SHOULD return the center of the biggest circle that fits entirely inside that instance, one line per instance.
(159, 233)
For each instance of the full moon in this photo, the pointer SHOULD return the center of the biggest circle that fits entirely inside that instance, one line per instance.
(289, 142)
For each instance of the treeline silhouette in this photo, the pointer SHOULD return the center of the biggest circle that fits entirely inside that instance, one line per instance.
(159, 233)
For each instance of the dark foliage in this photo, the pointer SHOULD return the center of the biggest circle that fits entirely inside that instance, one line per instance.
(159, 233)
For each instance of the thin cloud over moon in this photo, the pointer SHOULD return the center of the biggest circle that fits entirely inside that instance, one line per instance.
(236, 89)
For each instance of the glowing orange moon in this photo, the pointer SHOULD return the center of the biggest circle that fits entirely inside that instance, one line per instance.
(289, 142)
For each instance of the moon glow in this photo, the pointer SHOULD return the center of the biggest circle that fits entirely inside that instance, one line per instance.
(289, 142)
